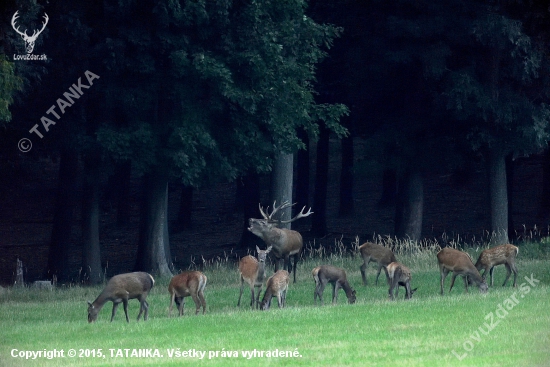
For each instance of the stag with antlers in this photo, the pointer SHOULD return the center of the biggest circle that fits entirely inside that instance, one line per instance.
(285, 242)
(29, 40)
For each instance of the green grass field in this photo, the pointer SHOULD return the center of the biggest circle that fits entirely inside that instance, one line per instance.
(456, 329)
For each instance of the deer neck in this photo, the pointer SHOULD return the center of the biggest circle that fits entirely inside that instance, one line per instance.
(274, 237)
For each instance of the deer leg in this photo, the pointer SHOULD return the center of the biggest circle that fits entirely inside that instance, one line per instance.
(378, 274)
(295, 264)
(197, 303)
(145, 310)
(172, 297)
(317, 292)
(287, 265)
(508, 273)
(408, 293)
(465, 278)
(387, 275)
(241, 293)
(392, 287)
(141, 307)
(491, 274)
(363, 269)
(335, 288)
(115, 306)
(284, 298)
(202, 301)
(258, 296)
(444, 273)
(515, 270)
(125, 305)
(452, 281)
(321, 290)
(252, 298)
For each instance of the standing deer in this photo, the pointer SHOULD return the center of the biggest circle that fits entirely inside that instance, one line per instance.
(120, 289)
(400, 275)
(285, 242)
(460, 264)
(503, 254)
(276, 286)
(252, 272)
(29, 40)
(377, 253)
(187, 283)
(337, 277)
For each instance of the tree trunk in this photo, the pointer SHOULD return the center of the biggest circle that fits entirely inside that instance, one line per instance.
(281, 184)
(91, 253)
(153, 246)
(185, 209)
(389, 189)
(302, 173)
(509, 191)
(346, 177)
(248, 198)
(319, 221)
(410, 207)
(498, 198)
(124, 176)
(63, 221)
(544, 209)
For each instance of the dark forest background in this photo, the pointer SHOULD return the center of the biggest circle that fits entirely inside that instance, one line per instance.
(409, 119)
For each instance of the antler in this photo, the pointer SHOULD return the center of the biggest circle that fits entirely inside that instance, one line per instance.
(36, 33)
(24, 34)
(269, 217)
(15, 16)
(300, 215)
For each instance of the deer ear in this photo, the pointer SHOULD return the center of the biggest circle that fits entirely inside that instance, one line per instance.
(414, 290)
(268, 249)
(257, 248)
(90, 304)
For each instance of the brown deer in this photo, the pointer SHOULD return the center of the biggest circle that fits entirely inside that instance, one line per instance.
(252, 272)
(377, 253)
(503, 254)
(400, 275)
(285, 242)
(459, 263)
(120, 289)
(276, 286)
(337, 277)
(185, 284)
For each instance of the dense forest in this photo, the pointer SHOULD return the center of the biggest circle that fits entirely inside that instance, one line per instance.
(131, 113)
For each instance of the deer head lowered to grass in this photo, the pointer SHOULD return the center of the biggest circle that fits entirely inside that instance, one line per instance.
(187, 283)
(400, 275)
(503, 254)
(459, 263)
(120, 289)
(324, 274)
(285, 242)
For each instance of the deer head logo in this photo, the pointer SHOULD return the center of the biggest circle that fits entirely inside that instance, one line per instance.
(29, 40)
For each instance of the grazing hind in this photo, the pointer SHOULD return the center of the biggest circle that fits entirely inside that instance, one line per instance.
(120, 289)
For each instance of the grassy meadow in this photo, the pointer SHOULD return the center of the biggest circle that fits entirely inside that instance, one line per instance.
(507, 327)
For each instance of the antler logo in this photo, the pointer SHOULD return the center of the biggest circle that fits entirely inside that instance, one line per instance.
(29, 40)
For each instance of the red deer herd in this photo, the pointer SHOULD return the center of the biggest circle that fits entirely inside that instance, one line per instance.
(284, 244)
